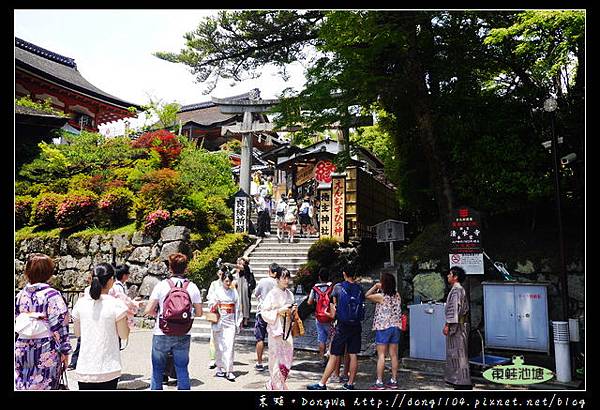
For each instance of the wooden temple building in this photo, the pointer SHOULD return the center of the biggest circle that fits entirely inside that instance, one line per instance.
(352, 202)
(42, 74)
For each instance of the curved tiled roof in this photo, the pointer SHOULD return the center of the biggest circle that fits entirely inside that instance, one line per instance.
(60, 69)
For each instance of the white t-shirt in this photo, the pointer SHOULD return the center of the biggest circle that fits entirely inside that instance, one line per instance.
(160, 292)
(99, 356)
(263, 287)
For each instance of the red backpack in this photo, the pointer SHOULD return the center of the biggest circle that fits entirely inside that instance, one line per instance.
(176, 318)
(323, 301)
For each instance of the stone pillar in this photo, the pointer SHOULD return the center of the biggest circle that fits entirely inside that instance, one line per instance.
(246, 163)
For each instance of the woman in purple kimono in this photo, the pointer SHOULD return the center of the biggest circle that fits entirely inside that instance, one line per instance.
(42, 324)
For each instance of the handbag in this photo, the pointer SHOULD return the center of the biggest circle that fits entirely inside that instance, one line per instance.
(296, 328)
(213, 315)
(62, 382)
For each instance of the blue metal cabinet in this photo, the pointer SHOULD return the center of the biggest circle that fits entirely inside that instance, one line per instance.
(516, 316)
(427, 322)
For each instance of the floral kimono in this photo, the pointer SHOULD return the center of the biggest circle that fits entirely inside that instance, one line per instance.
(224, 331)
(38, 360)
(132, 306)
(281, 352)
(457, 357)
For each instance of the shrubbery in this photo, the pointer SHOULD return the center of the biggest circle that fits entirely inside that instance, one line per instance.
(324, 251)
(165, 143)
(44, 209)
(114, 206)
(78, 208)
(307, 275)
(23, 207)
(183, 217)
(156, 221)
(202, 268)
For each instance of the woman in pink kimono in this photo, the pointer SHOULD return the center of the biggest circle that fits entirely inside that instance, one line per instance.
(276, 305)
(227, 301)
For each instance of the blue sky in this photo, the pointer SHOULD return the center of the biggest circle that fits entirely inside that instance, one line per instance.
(113, 50)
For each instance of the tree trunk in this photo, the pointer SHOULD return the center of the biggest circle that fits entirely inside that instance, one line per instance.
(438, 173)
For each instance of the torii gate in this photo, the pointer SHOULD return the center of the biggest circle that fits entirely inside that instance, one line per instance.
(246, 106)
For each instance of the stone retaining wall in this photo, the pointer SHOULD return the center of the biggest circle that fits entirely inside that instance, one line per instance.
(75, 257)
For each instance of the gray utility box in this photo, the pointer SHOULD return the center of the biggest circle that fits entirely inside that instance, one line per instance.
(427, 340)
(516, 316)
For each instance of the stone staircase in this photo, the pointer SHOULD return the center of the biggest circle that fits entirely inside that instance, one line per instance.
(265, 251)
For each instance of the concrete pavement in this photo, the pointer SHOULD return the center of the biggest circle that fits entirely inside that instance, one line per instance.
(137, 368)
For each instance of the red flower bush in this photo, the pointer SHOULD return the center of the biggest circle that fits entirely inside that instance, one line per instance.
(44, 209)
(23, 207)
(165, 143)
(156, 221)
(114, 206)
(77, 208)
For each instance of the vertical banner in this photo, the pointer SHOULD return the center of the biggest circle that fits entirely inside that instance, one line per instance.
(338, 214)
(240, 214)
(325, 212)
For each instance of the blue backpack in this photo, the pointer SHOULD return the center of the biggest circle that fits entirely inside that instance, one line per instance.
(351, 304)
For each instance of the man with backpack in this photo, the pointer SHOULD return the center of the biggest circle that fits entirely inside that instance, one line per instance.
(321, 293)
(348, 307)
(171, 303)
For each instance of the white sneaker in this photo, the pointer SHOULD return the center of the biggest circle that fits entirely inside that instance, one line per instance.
(212, 364)
(230, 377)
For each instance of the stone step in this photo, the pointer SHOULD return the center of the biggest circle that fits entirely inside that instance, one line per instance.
(258, 253)
(297, 239)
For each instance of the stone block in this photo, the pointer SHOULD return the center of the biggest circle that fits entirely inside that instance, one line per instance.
(157, 269)
(67, 262)
(121, 242)
(74, 280)
(148, 284)
(429, 286)
(141, 239)
(155, 253)
(140, 254)
(175, 233)
(94, 246)
(77, 246)
(173, 247)
(19, 267)
(106, 243)
(84, 263)
(136, 273)
(102, 258)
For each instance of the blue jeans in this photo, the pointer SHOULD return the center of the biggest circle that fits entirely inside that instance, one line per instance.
(180, 347)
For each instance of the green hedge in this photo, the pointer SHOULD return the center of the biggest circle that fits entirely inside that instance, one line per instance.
(203, 269)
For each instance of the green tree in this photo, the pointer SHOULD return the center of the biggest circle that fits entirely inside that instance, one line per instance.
(457, 104)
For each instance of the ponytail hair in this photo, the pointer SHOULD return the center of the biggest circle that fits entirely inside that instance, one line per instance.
(100, 277)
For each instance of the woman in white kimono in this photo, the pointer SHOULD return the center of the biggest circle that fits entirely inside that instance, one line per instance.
(276, 305)
(227, 301)
(241, 277)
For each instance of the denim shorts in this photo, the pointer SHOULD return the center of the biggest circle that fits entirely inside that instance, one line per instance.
(260, 328)
(387, 336)
(347, 338)
(323, 330)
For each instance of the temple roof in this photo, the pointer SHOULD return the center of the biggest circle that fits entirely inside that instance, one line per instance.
(61, 70)
(208, 113)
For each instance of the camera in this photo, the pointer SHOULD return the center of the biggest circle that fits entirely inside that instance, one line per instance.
(568, 159)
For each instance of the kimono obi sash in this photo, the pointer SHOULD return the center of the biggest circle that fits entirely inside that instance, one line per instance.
(227, 307)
